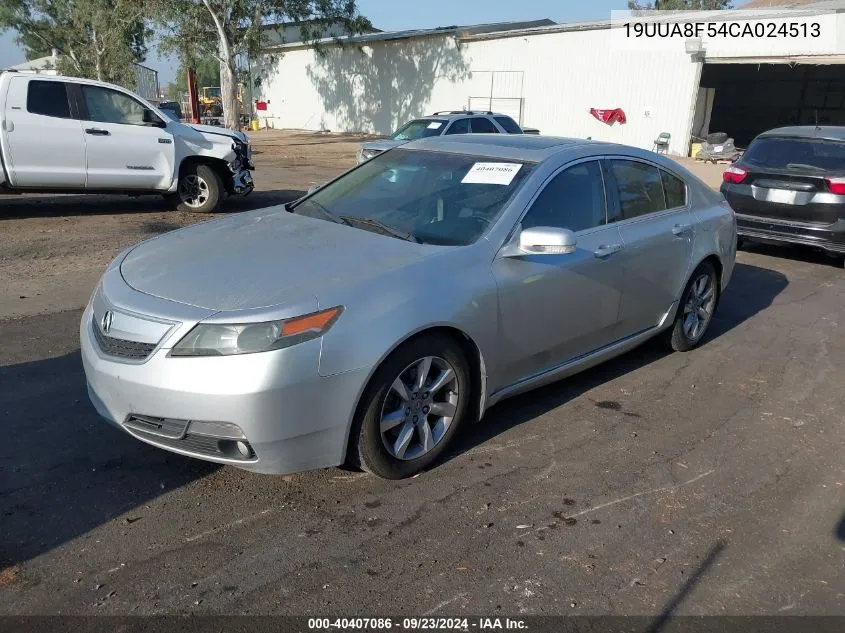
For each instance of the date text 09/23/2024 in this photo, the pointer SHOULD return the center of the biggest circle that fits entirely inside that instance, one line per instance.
(415, 624)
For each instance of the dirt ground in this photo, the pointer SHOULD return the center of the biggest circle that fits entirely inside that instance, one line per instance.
(54, 248)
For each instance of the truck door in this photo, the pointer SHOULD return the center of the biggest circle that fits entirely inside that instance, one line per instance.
(42, 140)
(128, 145)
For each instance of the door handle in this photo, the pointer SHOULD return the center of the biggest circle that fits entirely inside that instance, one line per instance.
(8, 126)
(681, 229)
(604, 251)
(95, 131)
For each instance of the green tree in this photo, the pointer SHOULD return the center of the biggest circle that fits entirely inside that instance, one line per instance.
(680, 5)
(229, 29)
(98, 39)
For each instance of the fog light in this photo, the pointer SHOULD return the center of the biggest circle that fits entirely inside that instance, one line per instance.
(243, 449)
(235, 449)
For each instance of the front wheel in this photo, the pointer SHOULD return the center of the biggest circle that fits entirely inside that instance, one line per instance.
(698, 303)
(199, 190)
(412, 409)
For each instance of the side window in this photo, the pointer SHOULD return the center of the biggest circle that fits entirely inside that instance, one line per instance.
(674, 189)
(461, 126)
(483, 125)
(573, 200)
(508, 125)
(639, 187)
(110, 106)
(48, 98)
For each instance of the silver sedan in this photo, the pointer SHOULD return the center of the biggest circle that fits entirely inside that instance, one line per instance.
(367, 322)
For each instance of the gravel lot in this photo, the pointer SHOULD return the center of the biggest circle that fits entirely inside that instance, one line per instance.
(703, 483)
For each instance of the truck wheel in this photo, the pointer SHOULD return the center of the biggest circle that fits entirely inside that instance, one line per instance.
(199, 189)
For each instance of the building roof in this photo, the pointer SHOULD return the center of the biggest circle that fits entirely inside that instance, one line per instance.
(41, 63)
(791, 4)
(461, 31)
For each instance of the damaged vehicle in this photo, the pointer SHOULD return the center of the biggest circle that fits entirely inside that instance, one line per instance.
(70, 135)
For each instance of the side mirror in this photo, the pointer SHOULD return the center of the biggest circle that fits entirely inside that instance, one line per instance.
(543, 240)
(152, 119)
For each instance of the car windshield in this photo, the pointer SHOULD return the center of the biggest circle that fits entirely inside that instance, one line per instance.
(797, 154)
(420, 128)
(170, 114)
(428, 197)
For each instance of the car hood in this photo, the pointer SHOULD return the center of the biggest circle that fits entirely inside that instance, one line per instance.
(383, 144)
(222, 131)
(260, 259)
(190, 129)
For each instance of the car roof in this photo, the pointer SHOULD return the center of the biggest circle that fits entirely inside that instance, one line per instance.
(454, 114)
(823, 132)
(528, 147)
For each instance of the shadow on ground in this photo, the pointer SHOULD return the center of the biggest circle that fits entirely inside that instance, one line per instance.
(66, 471)
(45, 206)
(751, 290)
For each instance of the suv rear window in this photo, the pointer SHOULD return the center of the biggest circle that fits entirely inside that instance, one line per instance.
(48, 98)
(781, 152)
(508, 124)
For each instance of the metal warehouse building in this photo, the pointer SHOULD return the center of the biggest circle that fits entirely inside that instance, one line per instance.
(550, 75)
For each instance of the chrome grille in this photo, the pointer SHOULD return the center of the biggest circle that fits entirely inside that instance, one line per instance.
(119, 347)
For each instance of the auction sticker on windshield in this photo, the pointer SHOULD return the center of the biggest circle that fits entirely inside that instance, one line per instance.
(492, 173)
(434, 125)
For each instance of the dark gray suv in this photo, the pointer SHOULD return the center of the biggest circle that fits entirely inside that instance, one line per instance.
(441, 123)
(789, 186)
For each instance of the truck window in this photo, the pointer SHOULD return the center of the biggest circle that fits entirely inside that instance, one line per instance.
(110, 106)
(48, 98)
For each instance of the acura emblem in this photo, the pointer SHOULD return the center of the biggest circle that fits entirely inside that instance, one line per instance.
(106, 322)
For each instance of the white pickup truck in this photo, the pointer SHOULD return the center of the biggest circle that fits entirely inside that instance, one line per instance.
(70, 135)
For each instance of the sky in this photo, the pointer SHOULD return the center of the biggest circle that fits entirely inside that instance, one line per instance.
(396, 15)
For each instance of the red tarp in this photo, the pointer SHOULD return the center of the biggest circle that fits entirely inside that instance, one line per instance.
(616, 115)
(260, 105)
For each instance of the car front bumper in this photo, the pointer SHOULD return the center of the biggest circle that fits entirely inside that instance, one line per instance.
(290, 418)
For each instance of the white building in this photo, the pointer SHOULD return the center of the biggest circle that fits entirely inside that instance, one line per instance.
(550, 76)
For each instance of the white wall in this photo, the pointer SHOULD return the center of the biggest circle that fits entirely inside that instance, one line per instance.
(378, 87)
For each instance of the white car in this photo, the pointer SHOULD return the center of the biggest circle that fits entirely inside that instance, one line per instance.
(70, 135)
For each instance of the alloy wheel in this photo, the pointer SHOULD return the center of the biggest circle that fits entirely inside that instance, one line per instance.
(419, 407)
(193, 190)
(698, 306)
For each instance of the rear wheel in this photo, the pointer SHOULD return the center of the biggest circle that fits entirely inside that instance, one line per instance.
(698, 303)
(412, 409)
(199, 191)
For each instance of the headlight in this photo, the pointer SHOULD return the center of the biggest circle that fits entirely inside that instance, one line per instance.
(210, 339)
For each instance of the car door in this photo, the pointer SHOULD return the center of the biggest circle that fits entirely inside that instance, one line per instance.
(658, 231)
(43, 142)
(128, 145)
(554, 308)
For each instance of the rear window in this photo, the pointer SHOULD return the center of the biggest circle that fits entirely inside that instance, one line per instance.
(508, 124)
(48, 98)
(420, 128)
(773, 152)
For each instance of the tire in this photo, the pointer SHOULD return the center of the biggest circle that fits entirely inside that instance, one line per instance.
(381, 403)
(717, 138)
(684, 336)
(200, 184)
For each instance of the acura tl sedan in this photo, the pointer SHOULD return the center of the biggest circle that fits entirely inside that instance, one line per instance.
(365, 323)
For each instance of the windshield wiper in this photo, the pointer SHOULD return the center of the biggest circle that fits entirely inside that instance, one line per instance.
(380, 226)
(804, 166)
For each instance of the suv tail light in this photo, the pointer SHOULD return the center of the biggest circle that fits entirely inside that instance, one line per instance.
(734, 175)
(836, 185)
